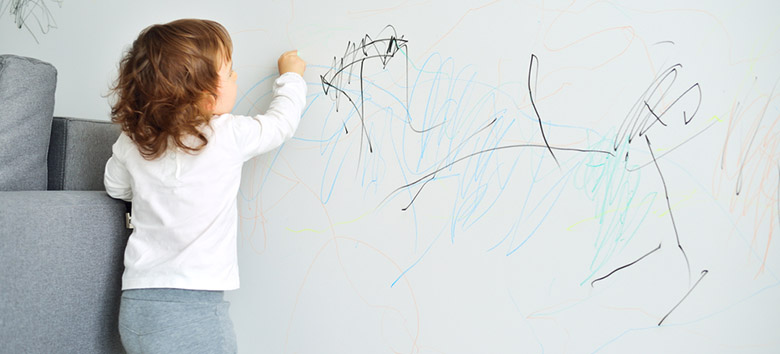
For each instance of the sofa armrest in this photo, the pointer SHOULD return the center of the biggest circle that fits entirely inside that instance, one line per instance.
(78, 151)
(61, 255)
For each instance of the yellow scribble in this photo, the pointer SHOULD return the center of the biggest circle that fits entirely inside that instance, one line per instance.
(335, 224)
(605, 213)
(686, 197)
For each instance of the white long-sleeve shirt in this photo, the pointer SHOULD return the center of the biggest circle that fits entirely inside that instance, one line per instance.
(184, 210)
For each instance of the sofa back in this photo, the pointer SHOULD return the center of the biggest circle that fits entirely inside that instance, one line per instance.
(78, 151)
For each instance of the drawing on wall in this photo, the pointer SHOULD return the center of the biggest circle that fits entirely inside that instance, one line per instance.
(443, 154)
(32, 15)
(652, 108)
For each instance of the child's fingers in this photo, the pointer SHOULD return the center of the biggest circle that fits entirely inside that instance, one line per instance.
(290, 62)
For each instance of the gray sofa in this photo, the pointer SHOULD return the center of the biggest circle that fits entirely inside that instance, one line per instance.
(62, 237)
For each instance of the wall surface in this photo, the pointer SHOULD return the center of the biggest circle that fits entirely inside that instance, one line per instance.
(486, 176)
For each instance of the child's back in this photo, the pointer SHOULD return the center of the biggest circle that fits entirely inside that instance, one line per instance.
(179, 161)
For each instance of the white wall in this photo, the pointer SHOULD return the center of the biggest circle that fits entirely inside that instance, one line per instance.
(498, 251)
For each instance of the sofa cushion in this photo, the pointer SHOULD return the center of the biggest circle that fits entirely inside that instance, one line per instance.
(78, 152)
(61, 269)
(27, 95)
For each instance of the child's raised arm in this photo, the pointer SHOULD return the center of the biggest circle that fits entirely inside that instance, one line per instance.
(261, 133)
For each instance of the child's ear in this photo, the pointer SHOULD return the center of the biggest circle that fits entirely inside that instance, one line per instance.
(209, 102)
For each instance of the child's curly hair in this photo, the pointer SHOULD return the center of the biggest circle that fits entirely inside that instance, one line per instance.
(167, 82)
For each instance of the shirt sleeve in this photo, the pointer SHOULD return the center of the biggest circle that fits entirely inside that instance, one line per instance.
(116, 178)
(265, 132)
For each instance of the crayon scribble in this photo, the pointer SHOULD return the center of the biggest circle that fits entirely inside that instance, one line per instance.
(474, 147)
(651, 108)
(748, 162)
(448, 164)
(31, 14)
(382, 49)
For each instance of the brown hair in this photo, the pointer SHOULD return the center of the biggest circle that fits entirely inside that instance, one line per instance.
(166, 80)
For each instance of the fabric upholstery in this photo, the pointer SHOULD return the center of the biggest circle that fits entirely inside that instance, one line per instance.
(61, 252)
(61, 259)
(26, 105)
(78, 152)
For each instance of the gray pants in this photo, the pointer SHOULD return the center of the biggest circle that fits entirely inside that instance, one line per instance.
(175, 321)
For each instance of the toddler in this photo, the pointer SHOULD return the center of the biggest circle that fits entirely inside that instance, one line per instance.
(178, 160)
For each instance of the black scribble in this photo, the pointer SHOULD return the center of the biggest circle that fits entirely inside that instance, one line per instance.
(648, 110)
(513, 146)
(26, 11)
(664, 42)
(532, 76)
(627, 265)
(534, 69)
(431, 178)
(532, 73)
(669, 206)
(658, 118)
(384, 48)
(341, 72)
(439, 168)
(645, 113)
(672, 149)
(703, 273)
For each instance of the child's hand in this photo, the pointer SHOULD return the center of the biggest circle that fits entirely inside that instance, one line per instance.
(291, 62)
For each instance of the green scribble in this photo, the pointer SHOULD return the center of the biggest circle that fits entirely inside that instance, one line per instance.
(619, 211)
